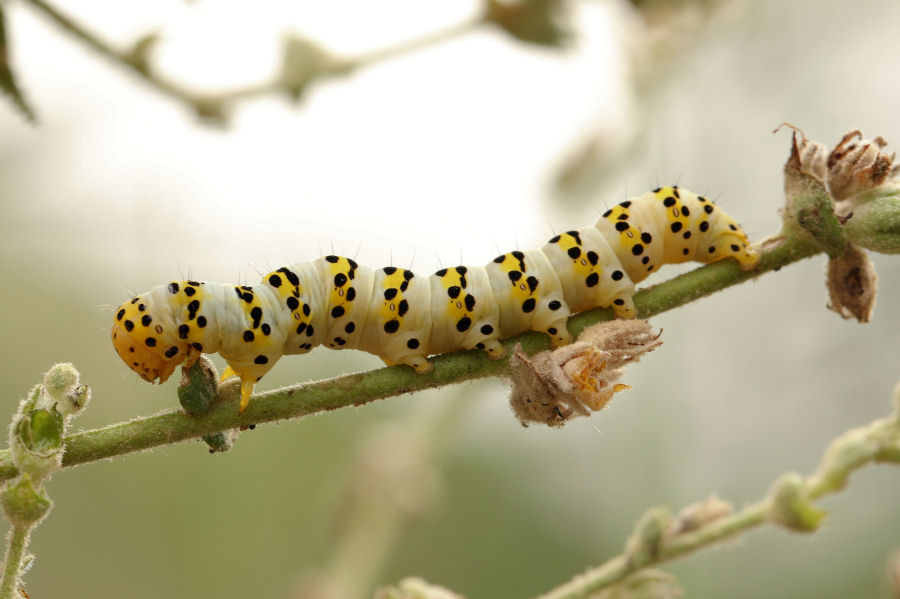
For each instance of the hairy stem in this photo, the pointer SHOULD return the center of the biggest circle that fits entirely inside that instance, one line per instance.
(876, 442)
(17, 541)
(303, 399)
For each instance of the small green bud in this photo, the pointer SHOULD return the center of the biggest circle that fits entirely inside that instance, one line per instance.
(36, 442)
(23, 504)
(59, 381)
(791, 506)
(874, 222)
(198, 388)
(643, 544)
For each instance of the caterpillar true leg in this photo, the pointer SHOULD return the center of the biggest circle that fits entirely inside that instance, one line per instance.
(404, 318)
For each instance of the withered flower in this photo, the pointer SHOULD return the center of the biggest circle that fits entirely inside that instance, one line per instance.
(554, 386)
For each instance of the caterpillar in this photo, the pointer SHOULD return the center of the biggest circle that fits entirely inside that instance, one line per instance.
(404, 318)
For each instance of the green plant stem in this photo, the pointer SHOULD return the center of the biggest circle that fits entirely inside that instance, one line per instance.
(876, 442)
(17, 541)
(303, 399)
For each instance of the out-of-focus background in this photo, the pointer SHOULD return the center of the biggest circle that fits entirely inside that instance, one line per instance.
(451, 152)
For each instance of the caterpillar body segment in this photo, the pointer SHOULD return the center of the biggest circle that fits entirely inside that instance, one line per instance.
(403, 317)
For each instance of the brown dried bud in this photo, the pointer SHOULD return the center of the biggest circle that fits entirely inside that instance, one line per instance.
(554, 386)
(808, 158)
(856, 166)
(852, 284)
(701, 513)
(809, 209)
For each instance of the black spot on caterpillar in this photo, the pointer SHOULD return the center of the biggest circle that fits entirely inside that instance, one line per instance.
(405, 318)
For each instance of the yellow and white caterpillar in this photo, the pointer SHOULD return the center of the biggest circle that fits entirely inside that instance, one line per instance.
(403, 317)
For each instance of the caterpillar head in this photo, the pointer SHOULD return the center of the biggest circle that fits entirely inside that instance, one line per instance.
(141, 344)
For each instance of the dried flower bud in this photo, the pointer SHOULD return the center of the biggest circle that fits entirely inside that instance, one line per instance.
(701, 513)
(856, 166)
(415, 588)
(809, 208)
(852, 284)
(554, 386)
(807, 159)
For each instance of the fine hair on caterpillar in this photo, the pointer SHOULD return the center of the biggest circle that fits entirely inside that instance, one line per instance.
(404, 318)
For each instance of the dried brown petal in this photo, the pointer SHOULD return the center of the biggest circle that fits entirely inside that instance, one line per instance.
(852, 284)
(554, 386)
(809, 209)
(807, 158)
(856, 166)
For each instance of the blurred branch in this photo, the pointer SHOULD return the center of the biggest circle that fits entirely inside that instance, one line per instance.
(304, 399)
(7, 77)
(658, 538)
(392, 483)
(303, 62)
